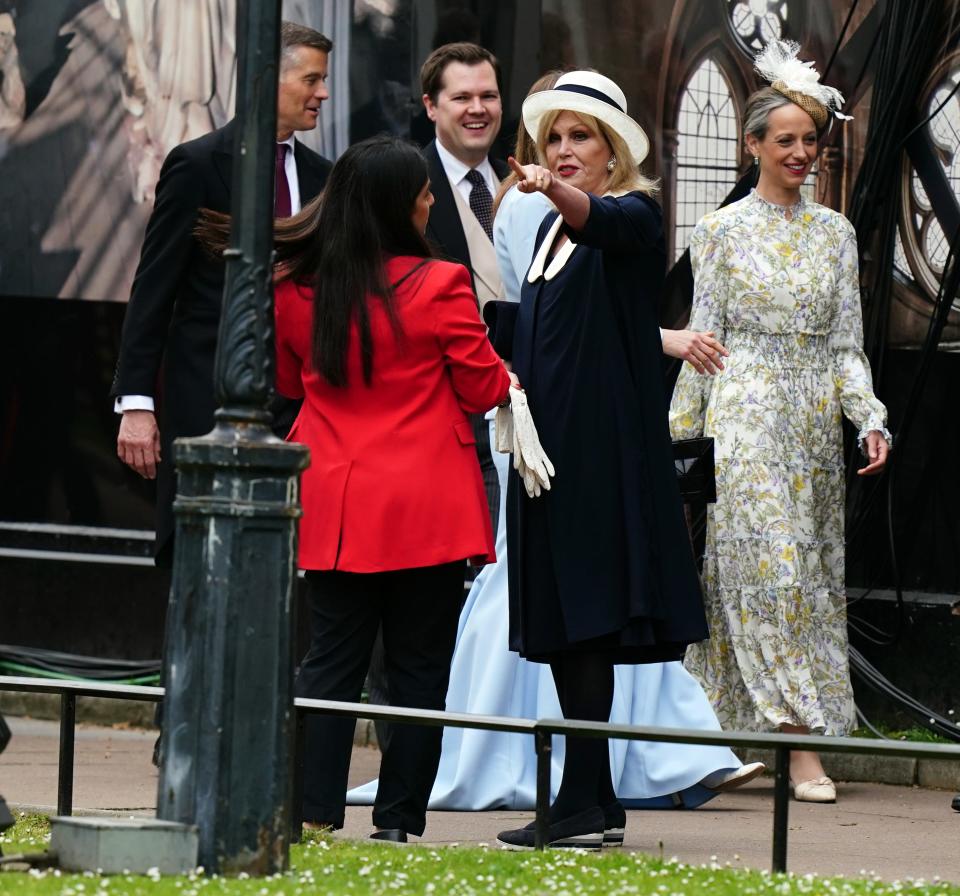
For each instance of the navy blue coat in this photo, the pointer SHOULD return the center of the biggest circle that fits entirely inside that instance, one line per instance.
(603, 560)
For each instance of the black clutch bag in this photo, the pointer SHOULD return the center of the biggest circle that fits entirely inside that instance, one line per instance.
(693, 461)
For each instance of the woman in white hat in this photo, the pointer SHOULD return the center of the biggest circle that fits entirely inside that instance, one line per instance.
(496, 770)
(601, 570)
(776, 277)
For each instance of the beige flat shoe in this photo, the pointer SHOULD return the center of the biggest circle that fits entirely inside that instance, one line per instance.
(817, 790)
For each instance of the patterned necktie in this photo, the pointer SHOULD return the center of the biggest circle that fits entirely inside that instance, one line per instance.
(281, 194)
(481, 202)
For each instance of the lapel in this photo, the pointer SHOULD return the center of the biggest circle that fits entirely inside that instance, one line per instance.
(309, 175)
(444, 228)
(483, 257)
(222, 155)
(560, 258)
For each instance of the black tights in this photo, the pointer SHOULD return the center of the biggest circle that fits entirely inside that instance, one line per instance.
(585, 687)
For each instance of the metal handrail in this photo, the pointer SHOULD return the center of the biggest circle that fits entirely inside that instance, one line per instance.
(542, 730)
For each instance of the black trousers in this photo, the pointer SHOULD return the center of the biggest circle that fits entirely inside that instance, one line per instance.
(417, 610)
(491, 481)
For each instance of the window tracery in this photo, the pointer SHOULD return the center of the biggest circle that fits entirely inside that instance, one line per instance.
(757, 22)
(924, 244)
(708, 149)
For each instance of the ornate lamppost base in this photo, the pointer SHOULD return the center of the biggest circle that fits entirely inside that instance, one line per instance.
(229, 638)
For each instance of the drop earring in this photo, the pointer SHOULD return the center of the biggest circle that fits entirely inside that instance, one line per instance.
(756, 161)
(612, 163)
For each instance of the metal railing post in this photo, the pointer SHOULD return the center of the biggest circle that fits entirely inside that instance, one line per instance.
(781, 808)
(68, 721)
(296, 784)
(543, 743)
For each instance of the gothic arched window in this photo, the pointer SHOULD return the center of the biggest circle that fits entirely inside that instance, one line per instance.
(924, 244)
(757, 22)
(708, 150)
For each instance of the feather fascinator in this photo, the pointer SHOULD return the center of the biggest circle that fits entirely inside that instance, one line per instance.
(798, 81)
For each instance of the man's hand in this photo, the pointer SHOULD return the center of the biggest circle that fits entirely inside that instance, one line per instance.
(702, 350)
(138, 442)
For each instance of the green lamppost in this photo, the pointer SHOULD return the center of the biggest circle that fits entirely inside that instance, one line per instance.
(228, 711)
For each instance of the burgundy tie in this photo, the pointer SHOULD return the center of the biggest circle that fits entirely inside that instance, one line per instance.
(281, 196)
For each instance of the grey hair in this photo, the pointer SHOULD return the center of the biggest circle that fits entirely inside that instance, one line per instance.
(293, 35)
(757, 112)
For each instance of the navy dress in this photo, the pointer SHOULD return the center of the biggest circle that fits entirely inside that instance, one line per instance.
(601, 562)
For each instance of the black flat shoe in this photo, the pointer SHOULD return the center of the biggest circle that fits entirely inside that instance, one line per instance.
(956, 803)
(614, 823)
(390, 835)
(581, 831)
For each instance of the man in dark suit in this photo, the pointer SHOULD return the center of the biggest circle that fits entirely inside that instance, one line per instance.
(174, 308)
(461, 95)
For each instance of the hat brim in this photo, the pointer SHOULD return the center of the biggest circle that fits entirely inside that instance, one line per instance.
(539, 104)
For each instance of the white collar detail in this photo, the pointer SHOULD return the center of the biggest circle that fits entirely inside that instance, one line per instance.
(559, 259)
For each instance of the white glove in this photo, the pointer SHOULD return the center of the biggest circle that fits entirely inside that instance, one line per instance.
(529, 458)
(503, 426)
(530, 481)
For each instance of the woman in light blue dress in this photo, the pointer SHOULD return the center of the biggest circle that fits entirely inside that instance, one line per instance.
(493, 770)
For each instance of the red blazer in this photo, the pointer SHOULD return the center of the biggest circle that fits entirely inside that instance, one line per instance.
(394, 481)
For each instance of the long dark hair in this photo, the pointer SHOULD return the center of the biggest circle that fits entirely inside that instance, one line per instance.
(365, 215)
(338, 243)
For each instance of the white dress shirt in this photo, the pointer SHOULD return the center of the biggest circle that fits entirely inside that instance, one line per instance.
(457, 172)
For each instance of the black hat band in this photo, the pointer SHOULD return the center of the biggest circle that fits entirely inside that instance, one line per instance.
(589, 91)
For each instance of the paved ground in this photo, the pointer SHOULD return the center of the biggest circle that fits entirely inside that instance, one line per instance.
(896, 832)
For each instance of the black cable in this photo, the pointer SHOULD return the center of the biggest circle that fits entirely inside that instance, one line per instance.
(931, 116)
(41, 663)
(843, 33)
(928, 718)
(866, 724)
(943, 303)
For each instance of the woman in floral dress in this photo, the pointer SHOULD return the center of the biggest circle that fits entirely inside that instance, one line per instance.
(776, 279)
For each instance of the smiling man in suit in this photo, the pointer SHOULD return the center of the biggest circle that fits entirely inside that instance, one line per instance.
(174, 310)
(461, 94)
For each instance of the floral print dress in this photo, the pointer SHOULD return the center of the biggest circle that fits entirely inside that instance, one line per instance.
(780, 289)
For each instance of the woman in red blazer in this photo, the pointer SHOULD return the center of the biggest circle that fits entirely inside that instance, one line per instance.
(385, 345)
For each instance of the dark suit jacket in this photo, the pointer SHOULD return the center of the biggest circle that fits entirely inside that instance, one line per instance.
(445, 232)
(444, 229)
(174, 308)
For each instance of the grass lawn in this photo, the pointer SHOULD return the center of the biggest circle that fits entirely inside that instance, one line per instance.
(323, 865)
(916, 733)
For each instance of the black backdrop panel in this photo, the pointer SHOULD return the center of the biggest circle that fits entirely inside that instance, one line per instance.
(926, 493)
(58, 460)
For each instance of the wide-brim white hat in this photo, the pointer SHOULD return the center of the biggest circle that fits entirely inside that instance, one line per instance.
(589, 93)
